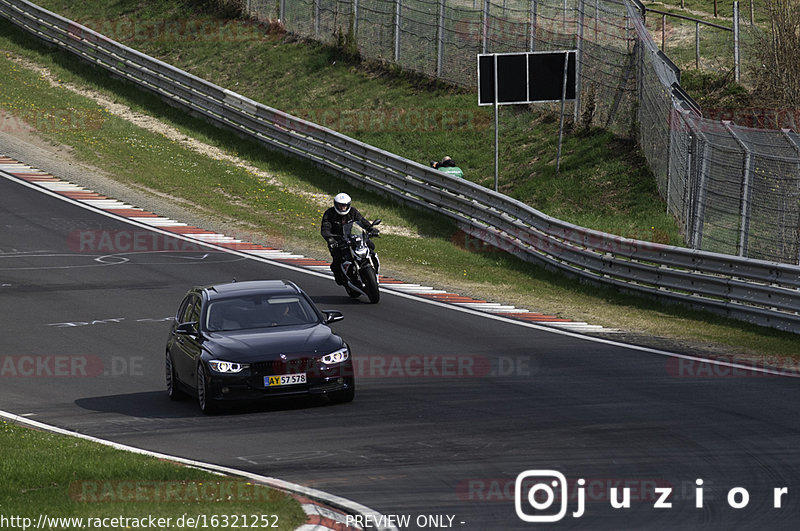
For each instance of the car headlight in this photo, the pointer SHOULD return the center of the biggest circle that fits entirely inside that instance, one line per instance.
(227, 367)
(343, 354)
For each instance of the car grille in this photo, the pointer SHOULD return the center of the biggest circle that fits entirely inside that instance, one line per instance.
(283, 367)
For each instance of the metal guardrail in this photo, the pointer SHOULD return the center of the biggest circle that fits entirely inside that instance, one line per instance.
(765, 293)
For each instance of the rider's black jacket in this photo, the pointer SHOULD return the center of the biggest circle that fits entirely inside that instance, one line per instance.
(333, 222)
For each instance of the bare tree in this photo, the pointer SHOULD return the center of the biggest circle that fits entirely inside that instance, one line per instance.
(779, 79)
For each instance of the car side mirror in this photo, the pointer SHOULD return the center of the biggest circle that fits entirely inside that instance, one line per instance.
(188, 329)
(331, 316)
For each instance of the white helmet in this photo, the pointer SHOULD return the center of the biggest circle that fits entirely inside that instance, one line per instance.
(342, 203)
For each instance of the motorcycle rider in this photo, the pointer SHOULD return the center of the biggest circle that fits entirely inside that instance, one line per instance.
(333, 221)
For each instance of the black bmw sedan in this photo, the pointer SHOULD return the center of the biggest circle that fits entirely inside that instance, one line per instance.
(253, 340)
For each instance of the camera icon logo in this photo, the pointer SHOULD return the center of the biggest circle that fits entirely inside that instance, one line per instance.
(534, 489)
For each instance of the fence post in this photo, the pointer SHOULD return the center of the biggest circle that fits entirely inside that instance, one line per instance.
(579, 60)
(796, 146)
(697, 45)
(533, 21)
(316, 18)
(700, 203)
(596, 19)
(485, 33)
(440, 45)
(282, 9)
(397, 24)
(688, 188)
(744, 224)
(628, 31)
(736, 41)
(355, 20)
(663, 33)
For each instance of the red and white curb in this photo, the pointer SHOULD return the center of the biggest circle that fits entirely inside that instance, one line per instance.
(113, 206)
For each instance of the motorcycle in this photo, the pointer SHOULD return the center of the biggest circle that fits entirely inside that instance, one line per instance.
(360, 264)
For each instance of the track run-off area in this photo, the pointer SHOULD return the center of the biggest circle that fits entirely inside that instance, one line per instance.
(461, 419)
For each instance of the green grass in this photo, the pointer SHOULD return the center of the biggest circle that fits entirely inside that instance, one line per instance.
(65, 477)
(616, 193)
(411, 116)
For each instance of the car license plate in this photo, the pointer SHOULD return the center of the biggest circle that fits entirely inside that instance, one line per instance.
(285, 379)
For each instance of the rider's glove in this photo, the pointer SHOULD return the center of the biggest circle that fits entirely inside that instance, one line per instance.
(332, 242)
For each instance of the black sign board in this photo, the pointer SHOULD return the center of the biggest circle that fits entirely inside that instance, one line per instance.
(525, 77)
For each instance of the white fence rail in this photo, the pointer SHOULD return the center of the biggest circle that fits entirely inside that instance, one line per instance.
(766, 293)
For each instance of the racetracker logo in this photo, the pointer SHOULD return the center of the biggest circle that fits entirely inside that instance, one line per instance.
(126, 241)
(443, 366)
(139, 241)
(387, 120)
(171, 30)
(52, 120)
(731, 367)
(38, 366)
(594, 490)
(64, 366)
(169, 491)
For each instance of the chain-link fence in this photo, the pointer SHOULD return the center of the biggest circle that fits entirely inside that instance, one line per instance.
(734, 190)
(441, 38)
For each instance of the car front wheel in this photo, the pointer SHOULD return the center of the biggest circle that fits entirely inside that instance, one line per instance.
(207, 404)
(173, 391)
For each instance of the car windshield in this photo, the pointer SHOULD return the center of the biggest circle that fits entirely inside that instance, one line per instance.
(259, 311)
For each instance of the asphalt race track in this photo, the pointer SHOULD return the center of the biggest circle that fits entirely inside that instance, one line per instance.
(450, 406)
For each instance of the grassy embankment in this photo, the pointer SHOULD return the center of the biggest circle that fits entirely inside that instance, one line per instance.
(51, 475)
(603, 183)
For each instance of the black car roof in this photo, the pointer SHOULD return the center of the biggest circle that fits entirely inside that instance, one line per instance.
(252, 286)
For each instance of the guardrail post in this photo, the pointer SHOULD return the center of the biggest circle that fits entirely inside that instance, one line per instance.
(747, 189)
(397, 24)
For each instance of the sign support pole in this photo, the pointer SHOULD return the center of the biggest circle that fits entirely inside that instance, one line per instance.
(496, 130)
(561, 121)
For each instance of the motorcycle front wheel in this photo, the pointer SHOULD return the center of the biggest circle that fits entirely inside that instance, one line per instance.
(370, 281)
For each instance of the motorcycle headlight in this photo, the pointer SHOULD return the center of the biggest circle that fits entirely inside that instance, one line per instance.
(343, 354)
(227, 367)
